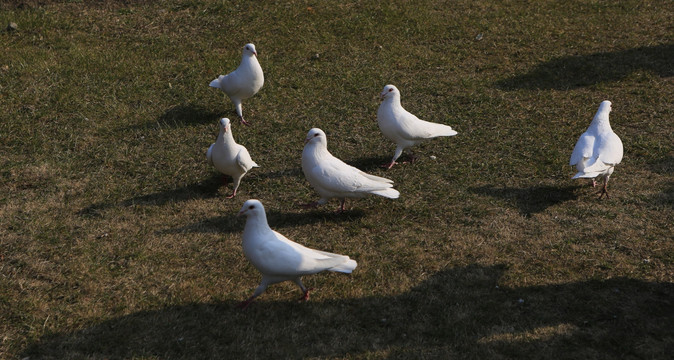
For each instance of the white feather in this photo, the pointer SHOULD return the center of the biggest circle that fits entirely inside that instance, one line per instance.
(279, 259)
(332, 178)
(403, 127)
(245, 81)
(598, 149)
(227, 156)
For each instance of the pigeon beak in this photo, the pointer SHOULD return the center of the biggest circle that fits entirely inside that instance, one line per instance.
(255, 53)
(240, 214)
(382, 95)
(306, 141)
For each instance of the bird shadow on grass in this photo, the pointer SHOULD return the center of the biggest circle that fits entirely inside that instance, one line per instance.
(183, 115)
(369, 164)
(455, 313)
(203, 189)
(530, 200)
(277, 220)
(572, 72)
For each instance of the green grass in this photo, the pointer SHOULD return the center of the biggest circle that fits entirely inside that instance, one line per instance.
(116, 240)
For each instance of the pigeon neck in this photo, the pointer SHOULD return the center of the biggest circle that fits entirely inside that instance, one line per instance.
(256, 224)
(601, 122)
(316, 148)
(226, 138)
(393, 99)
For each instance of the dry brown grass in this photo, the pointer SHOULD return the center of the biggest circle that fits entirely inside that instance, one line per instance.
(116, 240)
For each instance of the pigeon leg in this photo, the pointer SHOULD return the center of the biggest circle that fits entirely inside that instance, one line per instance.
(237, 181)
(593, 183)
(341, 206)
(396, 155)
(305, 296)
(244, 304)
(389, 165)
(604, 190)
(244, 121)
(305, 291)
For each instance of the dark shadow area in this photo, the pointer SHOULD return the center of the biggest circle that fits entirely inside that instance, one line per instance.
(370, 164)
(571, 72)
(204, 189)
(182, 116)
(454, 313)
(529, 200)
(277, 220)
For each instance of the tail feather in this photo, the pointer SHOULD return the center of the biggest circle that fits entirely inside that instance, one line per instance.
(376, 178)
(434, 129)
(216, 83)
(346, 267)
(388, 193)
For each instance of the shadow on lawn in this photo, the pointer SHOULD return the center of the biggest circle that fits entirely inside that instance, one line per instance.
(203, 189)
(230, 223)
(454, 313)
(530, 200)
(571, 72)
(182, 116)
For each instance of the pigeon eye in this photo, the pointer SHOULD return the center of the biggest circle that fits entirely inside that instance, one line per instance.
(315, 135)
(251, 207)
(389, 90)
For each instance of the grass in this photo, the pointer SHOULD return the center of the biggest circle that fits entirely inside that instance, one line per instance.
(116, 240)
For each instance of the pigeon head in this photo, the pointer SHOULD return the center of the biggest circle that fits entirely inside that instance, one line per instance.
(604, 107)
(316, 136)
(252, 207)
(224, 124)
(249, 49)
(389, 92)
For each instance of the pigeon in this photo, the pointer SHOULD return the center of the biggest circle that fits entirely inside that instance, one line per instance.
(280, 259)
(403, 127)
(598, 150)
(332, 178)
(243, 82)
(229, 157)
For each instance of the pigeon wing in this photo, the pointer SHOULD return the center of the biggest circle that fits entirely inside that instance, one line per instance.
(282, 256)
(583, 149)
(336, 176)
(243, 159)
(611, 150)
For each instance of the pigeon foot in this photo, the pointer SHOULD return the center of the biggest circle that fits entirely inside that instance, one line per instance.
(603, 191)
(244, 304)
(305, 296)
(244, 122)
(389, 165)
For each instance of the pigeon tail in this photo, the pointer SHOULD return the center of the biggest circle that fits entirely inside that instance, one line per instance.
(216, 83)
(442, 130)
(388, 193)
(346, 267)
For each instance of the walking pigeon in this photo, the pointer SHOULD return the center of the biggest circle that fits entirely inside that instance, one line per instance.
(598, 150)
(243, 82)
(229, 157)
(403, 127)
(332, 178)
(280, 259)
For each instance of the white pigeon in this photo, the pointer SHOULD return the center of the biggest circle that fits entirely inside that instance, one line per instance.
(598, 150)
(332, 178)
(243, 82)
(403, 127)
(229, 157)
(280, 259)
